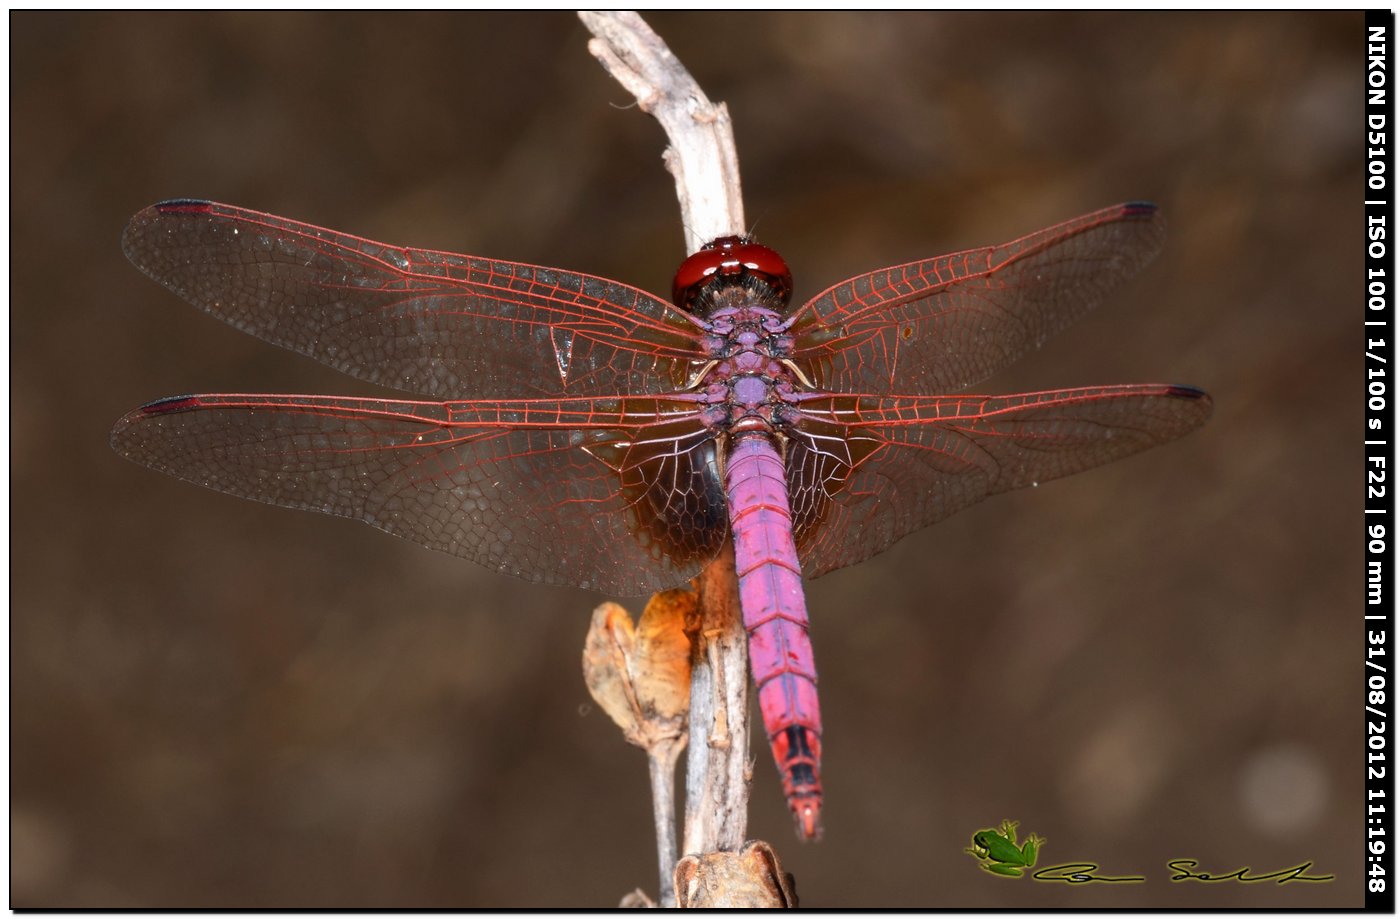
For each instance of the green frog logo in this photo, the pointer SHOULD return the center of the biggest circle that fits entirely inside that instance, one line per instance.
(999, 853)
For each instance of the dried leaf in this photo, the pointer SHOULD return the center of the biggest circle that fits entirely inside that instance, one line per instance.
(661, 666)
(752, 878)
(605, 654)
(640, 675)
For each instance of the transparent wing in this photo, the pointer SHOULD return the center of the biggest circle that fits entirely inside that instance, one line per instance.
(864, 472)
(940, 325)
(550, 491)
(432, 323)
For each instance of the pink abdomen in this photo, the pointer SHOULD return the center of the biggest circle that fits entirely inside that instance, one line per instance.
(775, 615)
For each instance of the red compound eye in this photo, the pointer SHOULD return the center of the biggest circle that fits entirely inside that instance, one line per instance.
(730, 257)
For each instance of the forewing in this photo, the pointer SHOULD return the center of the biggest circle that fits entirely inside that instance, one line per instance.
(879, 468)
(514, 486)
(939, 325)
(433, 323)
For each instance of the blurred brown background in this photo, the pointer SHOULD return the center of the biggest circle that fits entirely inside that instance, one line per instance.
(218, 703)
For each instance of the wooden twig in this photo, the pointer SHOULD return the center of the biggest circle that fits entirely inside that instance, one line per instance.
(701, 155)
(661, 768)
(717, 769)
(704, 161)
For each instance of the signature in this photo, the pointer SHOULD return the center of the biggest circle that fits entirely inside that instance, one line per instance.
(1086, 873)
(1183, 866)
(1080, 873)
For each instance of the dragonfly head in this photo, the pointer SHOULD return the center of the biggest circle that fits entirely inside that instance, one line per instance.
(728, 260)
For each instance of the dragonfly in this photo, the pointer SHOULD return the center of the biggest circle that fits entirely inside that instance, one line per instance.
(573, 430)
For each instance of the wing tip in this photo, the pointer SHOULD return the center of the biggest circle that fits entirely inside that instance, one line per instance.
(1182, 391)
(144, 220)
(1138, 208)
(182, 206)
(1204, 404)
(166, 406)
(170, 206)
